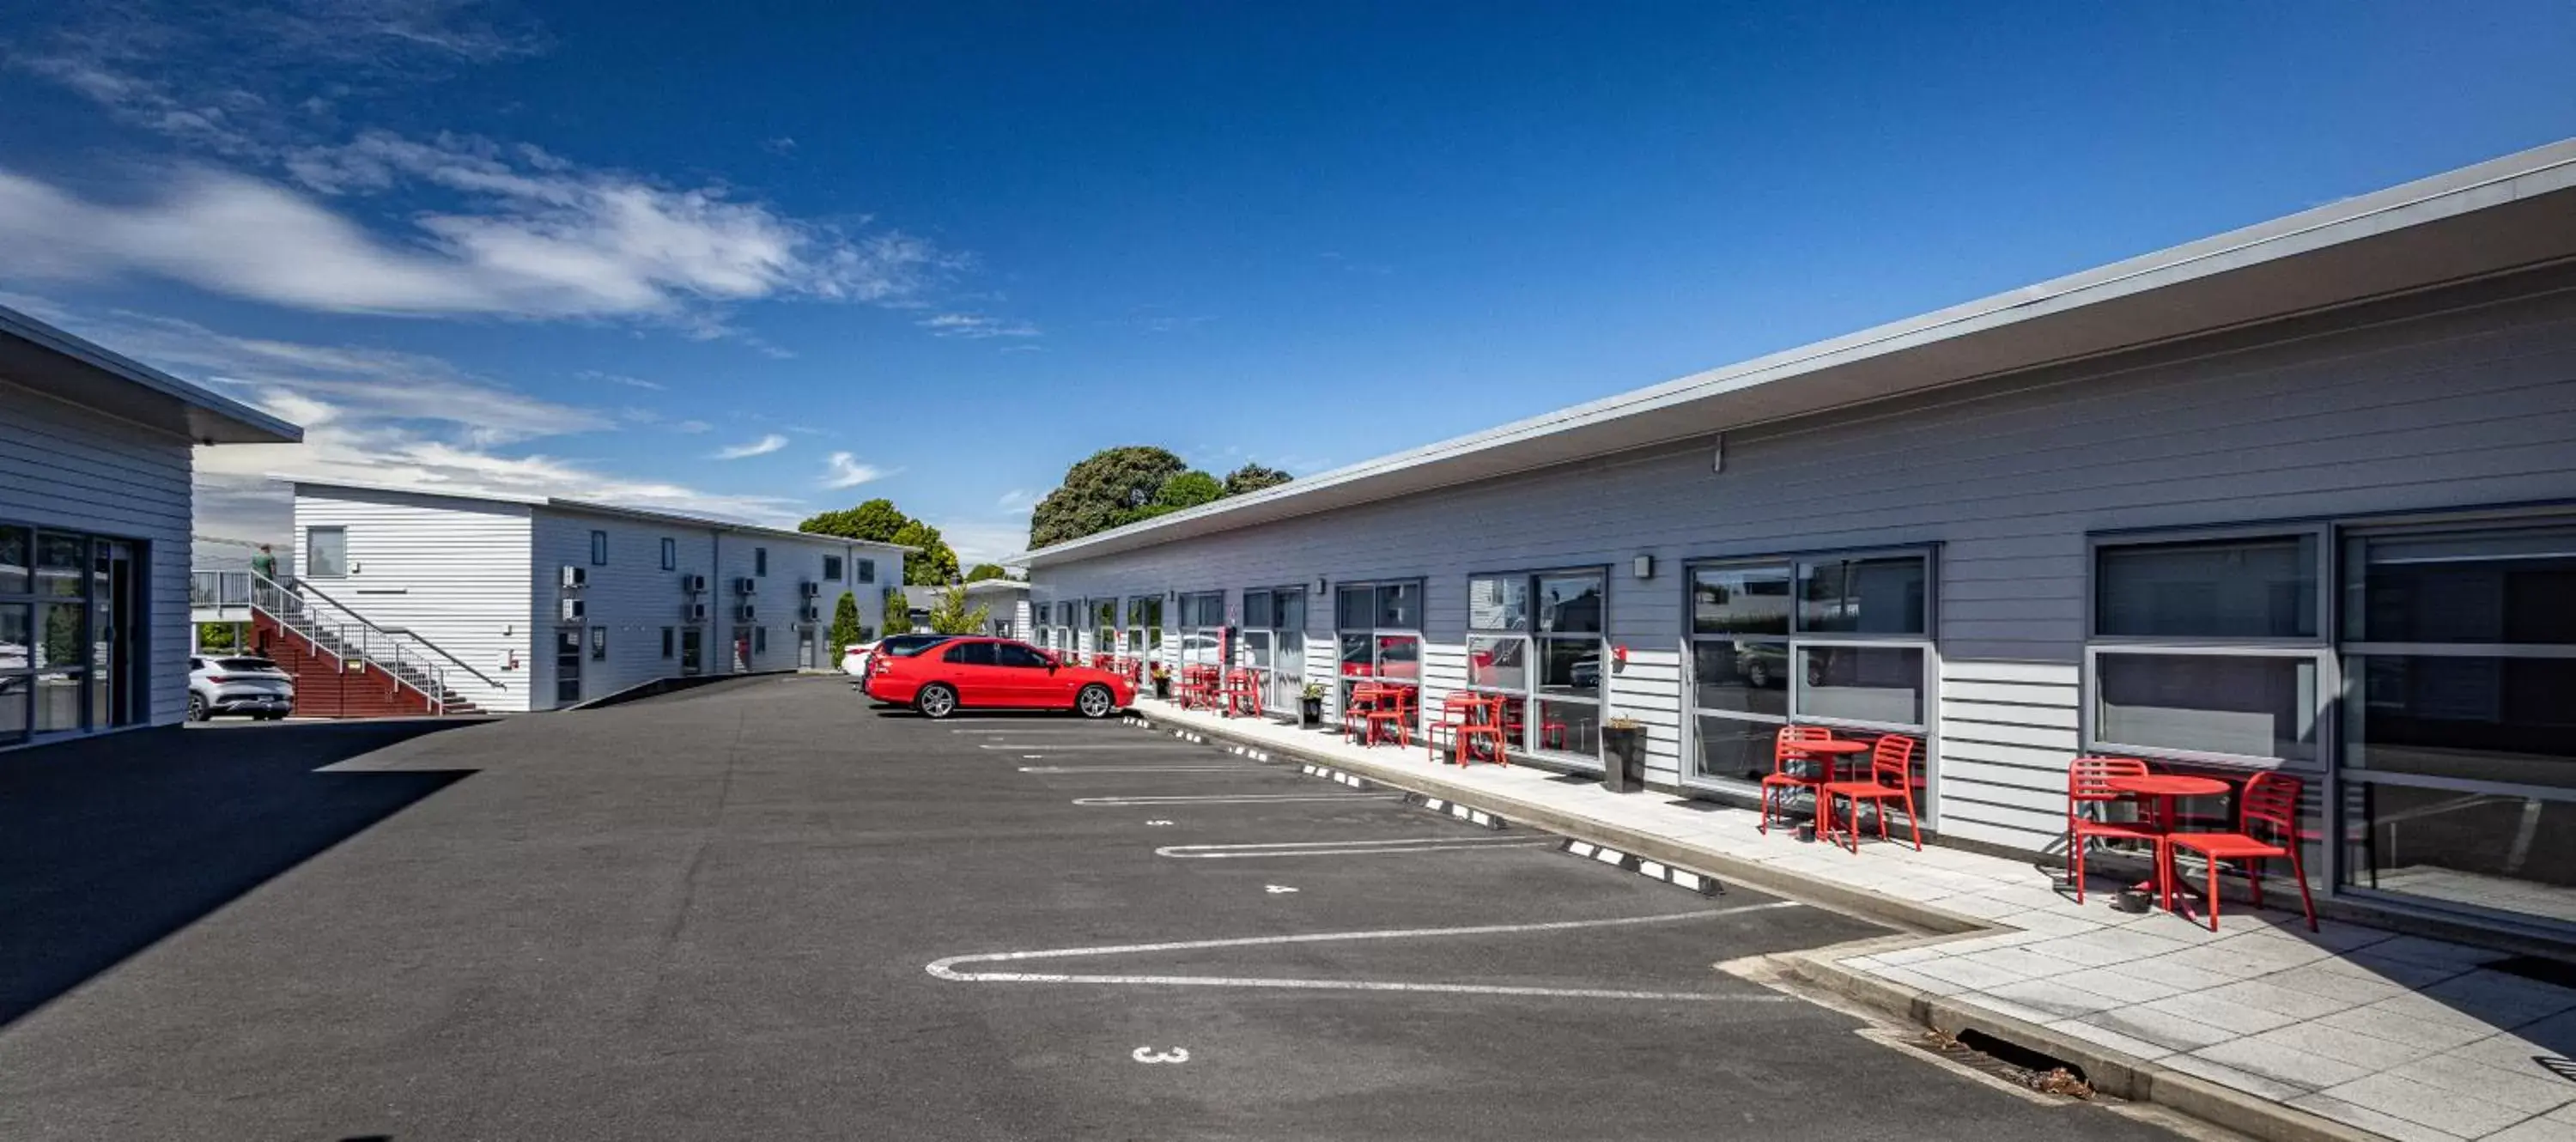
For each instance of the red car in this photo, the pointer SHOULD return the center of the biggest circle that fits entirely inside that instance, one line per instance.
(994, 674)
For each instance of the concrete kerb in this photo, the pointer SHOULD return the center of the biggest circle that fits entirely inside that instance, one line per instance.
(2112, 1072)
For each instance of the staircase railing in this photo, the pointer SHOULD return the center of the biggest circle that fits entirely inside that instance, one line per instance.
(342, 632)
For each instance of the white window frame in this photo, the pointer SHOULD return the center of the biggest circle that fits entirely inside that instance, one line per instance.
(1529, 636)
(2317, 650)
(1795, 642)
(311, 568)
(1421, 585)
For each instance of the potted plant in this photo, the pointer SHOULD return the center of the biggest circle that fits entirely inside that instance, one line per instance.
(1623, 767)
(1310, 705)
(1162, 681)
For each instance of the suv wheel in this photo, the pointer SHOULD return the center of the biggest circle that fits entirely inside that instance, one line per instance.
(1094, 702)
(197, 711)
(935, 701)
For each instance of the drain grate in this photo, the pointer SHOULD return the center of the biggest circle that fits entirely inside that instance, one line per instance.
(2008, 1061)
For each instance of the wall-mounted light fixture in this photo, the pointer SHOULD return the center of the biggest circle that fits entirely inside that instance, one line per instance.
(1645, 566)
(1320, 585)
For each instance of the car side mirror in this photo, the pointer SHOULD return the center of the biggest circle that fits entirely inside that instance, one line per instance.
(1050, 666)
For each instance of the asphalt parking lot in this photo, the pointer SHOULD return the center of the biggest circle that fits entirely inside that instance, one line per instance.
(766, 909)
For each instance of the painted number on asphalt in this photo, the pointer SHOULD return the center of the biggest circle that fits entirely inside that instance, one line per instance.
(1276, 889)
(1150, 1055)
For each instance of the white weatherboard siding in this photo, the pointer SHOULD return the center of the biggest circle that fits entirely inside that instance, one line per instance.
(2442, 400)
(630, 595)
(454, 573)
(67, 467)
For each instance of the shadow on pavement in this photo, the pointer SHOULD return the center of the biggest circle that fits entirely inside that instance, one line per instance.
(110, 844)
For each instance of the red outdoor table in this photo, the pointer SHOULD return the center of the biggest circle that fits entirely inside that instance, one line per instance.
(1829, 754)
(2164, 787)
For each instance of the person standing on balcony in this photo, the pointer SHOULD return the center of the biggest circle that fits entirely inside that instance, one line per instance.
(264, 564)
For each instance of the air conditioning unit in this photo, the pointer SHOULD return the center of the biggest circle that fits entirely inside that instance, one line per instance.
(746, 613)
(746, 585)
(574, 611)
(693, 584)
(575, 578)
(811, 590)
(809, 613)
(694, 612)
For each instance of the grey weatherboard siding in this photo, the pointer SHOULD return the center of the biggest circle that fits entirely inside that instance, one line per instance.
(2456, 398)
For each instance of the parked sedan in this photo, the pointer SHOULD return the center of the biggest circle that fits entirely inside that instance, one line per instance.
(994, 674)
(239, 685)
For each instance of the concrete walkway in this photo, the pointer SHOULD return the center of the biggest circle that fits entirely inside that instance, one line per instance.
(2262, 1026)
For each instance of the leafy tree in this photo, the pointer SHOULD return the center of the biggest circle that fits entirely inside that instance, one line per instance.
(1188, 490)
(982, 571)
(879, 521)
(898, 612)
(845, 625)
(1253, 478)
(1102, 492)
(951, 616)
(936, 562)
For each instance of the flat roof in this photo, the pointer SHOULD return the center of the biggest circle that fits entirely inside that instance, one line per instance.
(46, 360)
(2511, 213)
(654, 515)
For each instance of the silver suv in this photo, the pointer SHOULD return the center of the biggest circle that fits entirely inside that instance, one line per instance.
(238, 685)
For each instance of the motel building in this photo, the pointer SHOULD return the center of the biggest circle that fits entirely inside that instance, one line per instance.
(2296, 498)
(96, 453)
(439, 602)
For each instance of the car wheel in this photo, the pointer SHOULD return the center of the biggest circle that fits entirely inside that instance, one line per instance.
(935, 701)
(1756, 676)
(197, 711)
(1094, 702)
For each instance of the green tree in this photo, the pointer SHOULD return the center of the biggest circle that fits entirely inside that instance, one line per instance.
(1253, 478)
(879, 521)
(982, 571)
(1102, 492)
(1188, 490)
(845, 624)
(898, 612)
(951, 615)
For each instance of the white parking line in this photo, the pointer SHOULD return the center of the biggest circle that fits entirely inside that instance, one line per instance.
(1141, 747)
(947, 968)
(1346, 848)
(1140, 768)
(1244, 799)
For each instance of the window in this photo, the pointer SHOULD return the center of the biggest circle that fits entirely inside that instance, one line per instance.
(760, 562)
(326, 552)
(2458, 741)
(1145, 626)
(599, 549)
(760, 640)
(970, 654)
(1537, 639)
(670, 554)
(1377, 628)
(1837, 640)
(867, 570)
(1273, 645)
(2207, 648)
(1104, 629)
(1202, 628)
(1013, 654)
(832, 568)
(670, 639)
(599, 644)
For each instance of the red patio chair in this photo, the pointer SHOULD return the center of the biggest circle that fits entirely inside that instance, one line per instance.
(2269, 799)
(1458, 709)
(2088, 782)
(1395, 711)
(1891, 773)
(1486, 731)
(1784, 750)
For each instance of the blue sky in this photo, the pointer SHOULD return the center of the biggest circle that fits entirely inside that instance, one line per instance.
(666, 254)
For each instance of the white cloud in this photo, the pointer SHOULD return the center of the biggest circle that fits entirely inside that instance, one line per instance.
(975, 326)
(692, 426)
(842, 470)
(782, 145)
(623, 379)
(535, 239)
(1017, 501)
(761, 447)
(983, 540)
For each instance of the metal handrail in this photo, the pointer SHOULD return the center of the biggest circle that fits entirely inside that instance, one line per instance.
(305, 587)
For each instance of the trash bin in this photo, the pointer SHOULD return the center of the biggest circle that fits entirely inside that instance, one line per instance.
(1623, 761)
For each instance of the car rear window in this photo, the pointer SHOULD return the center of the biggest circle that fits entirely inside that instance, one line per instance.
(244, 664)
(905, 646)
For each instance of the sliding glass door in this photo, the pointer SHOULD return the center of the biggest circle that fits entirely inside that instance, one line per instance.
(1536, 639)
(1379, 626)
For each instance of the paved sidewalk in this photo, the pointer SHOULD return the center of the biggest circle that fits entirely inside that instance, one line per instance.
(2395, 1035)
